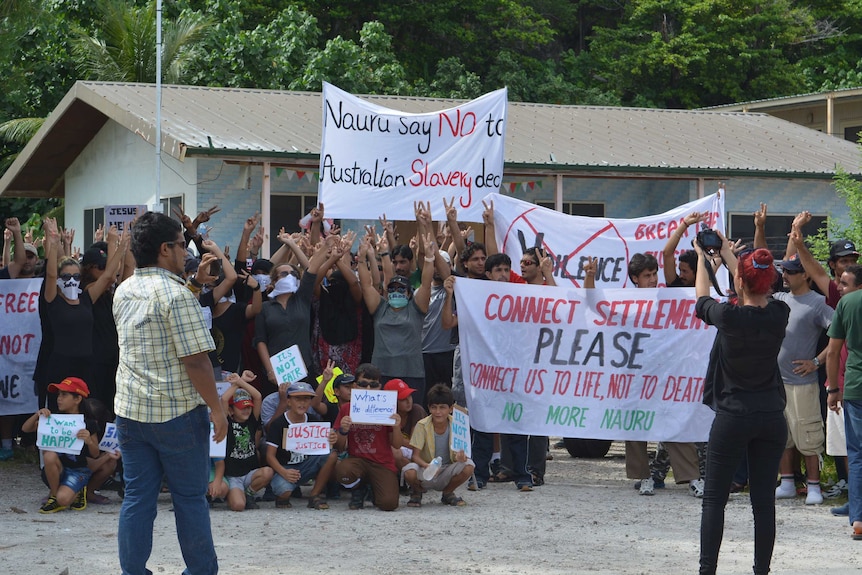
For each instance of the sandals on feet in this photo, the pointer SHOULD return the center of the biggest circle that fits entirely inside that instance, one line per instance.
(451, 499)
(857, 534)
(317, 502)
(415, 500)
(500, 477)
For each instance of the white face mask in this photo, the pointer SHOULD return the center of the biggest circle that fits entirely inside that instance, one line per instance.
(69, 289)
(288, 284)
(263, 279)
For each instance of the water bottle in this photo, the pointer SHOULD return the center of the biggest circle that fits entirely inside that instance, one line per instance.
(432, 468)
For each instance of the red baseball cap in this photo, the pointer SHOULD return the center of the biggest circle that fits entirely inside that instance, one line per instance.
(404, 390)
(72, 385)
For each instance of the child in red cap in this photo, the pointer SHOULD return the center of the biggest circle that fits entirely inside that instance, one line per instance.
(66, 475)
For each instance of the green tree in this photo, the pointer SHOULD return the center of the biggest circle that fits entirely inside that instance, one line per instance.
(682, 54)
(123, 47)
(850, 190)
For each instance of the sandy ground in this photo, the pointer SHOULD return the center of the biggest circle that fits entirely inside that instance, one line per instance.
(585, 519)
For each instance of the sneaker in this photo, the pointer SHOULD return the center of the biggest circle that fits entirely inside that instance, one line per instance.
(647, 486)
(814, 497)
(695, 487)
(842, 511)
(836, 490)
(656, 484)
(785, 491)
(51, 506)
(250, 503)
(80, 502)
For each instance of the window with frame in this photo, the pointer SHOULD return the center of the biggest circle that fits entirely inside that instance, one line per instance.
(93, 218)
(777, 228)
(286, 211)
(169, 203)
(578, 208)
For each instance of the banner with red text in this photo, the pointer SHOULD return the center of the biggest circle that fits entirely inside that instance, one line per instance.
(376, 160)
(571, 240)
(20, 338)
(598, 363)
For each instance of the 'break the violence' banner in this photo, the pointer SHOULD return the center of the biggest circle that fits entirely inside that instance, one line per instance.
(376, 160)
(20, 338)
(571, 240)
(597, 363)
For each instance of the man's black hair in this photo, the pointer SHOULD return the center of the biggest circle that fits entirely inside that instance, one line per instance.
(689, 257)
(402, 250)
(856, 271)
(497, 259)
(150, 231)
(472, 249)
(641, 262)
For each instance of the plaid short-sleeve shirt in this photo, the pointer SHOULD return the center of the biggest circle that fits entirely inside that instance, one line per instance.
(159, 322)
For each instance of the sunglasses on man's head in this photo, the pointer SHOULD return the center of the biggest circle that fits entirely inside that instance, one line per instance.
(67, 277)
(366, 383)
(397, 289)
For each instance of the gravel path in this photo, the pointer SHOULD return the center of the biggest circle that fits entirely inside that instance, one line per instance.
(585, 519)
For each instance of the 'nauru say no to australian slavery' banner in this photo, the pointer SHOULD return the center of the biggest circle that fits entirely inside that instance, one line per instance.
(376, 160)
(600, 363)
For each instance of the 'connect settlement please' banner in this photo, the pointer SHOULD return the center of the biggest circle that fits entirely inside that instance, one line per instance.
(589, 363)
(376, 160)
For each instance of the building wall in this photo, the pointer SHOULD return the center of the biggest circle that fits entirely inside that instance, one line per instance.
(118, 168)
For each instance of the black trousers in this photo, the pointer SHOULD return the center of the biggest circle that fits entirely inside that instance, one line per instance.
(761, 437)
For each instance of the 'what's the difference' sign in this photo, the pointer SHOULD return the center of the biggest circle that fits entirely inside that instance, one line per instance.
(376, 160)
(590, 363)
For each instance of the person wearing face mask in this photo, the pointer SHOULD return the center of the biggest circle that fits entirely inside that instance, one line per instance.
(285, 320)
(69, 311)
(398, 318)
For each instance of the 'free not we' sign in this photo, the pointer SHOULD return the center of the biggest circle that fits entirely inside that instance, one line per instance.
(375, 159)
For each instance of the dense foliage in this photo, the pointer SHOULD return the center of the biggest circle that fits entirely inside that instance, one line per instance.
(655, 53)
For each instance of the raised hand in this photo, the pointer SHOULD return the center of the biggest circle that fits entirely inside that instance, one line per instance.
(760, 216)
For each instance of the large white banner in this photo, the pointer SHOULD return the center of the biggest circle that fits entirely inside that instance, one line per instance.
(20, 338)
(571, 240)
(597, 363)
(376, 160)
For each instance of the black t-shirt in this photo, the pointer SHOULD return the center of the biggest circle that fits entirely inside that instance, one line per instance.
(4, 274)
(106, 347)
(281, 327)
(275, 436)
(241, 451)
(743, 376)
(227, 331)
(72, 325)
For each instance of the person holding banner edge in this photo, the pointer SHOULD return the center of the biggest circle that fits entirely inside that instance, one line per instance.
(744, 387)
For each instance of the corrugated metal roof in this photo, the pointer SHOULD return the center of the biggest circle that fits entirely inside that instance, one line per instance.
(790, 101)
(286, 126)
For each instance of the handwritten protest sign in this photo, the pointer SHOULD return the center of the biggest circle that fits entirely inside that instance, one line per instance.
(58, 432)
(572, 240)
(598, 363)
(311, 438)
(288, 365)
(459, 435)
(218, 449)
(110, 442)
(20, 338)
(375, 159)
(373, 406)
(121, 216)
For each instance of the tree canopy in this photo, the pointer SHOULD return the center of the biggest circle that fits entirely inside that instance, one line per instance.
(656, 53)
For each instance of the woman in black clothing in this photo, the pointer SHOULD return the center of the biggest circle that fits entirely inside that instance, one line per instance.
(744, 388)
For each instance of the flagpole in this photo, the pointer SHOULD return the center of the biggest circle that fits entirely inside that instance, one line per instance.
(157, 206)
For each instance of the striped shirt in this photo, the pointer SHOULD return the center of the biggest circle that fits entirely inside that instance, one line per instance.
(159, 322)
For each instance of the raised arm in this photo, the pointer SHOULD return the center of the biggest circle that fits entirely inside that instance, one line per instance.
(760, 227)
(811, 266)
(222, 289)
(19, 255)
(669, 251)
(457, 238)
(244, 239)
(448, 319)
(422, 297)
(369, 290)
(52, 250)
(117, 246)
(490, 233)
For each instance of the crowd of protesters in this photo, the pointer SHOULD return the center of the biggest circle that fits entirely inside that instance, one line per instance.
(377, 311)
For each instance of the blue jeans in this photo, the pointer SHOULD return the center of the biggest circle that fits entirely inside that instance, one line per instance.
(178, 450)
(853, 434)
